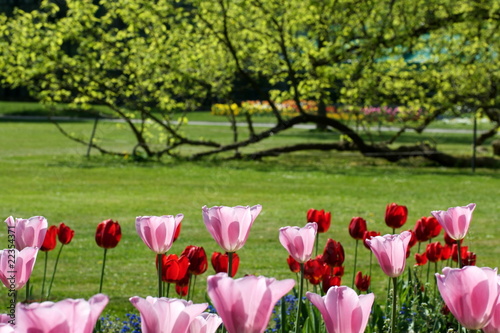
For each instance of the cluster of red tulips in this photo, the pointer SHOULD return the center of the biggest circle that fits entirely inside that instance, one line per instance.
(246, 304)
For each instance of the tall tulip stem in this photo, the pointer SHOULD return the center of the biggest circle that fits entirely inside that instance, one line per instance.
(102, 271)
(54, 272)
(317, 242)
(355, 260)
(459, 254)
(301, 291)
(44, 273)
(394, 304)
(230, 264)
(27, 291)
(159, 259)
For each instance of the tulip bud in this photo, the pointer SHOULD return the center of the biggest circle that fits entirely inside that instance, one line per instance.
(108, 234)
(395, 215)
(49, 242)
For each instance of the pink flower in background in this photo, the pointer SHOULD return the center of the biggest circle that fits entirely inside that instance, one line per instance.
(471, 293)
(456, 220)
(28, 232)
(69, 315)
(166, 315)
(16, 266)
(205, 323)
(158, 232)
(299, 242)
(343, 310)
(390, 251)
(230, 226)
(246, 304)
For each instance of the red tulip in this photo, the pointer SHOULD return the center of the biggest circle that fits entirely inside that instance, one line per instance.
(470, 259)
(395, 215)
(221, 261)
(322, 218)
(368, 235)
(446, 252)
(181, 290)
(338, 271)
(177, 232)
(108, 234)
(420, 259)
(333, 254)
(50, 242)
(330, 281)
(314, 270)
(362, 282)
(198, 262)
(174, 268)
(433, 251)
(65, 234)
(413, 239)
(293, 264)
(427, 228)
(357, 227)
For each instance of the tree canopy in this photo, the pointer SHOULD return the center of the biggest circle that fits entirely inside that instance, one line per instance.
(147, 59)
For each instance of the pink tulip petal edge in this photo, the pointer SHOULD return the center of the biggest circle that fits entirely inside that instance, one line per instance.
(299, 242)
(166, 314)
(470, 293)
(456, 220)
(230, 226)
(69, 315)
(343, 310)
(390, 251)
(246, 304)
(29, 232)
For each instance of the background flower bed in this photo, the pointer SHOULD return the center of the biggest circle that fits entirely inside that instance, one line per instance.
(43, 174)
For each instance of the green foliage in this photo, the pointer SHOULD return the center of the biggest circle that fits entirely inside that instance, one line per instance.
(146, 60)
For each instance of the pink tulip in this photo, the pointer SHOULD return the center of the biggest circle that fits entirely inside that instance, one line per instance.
(390, 251)
(16, 266)
(470, 293)
(299, 242)
(6, 328)
(158, 232)
(230, 226)
(343, 310)
(27, 233)
(205, 323)
(456, 220)
(166, 315)
(494, 324)
(245, 305)
(69, 315)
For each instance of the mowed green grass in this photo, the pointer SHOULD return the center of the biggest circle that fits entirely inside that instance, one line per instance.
(43, 173)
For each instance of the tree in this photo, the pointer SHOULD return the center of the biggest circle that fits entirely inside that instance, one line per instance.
(425, 57)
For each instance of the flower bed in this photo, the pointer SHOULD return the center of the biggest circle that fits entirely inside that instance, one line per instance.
(320, 298)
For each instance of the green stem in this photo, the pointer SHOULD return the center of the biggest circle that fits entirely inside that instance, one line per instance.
(301, 291)
(160, 264)
(27, 286)
(54, 272)
(428, 270)
(355, 261)
(317, 242)
(283, 316)
(44, 274)
(102, 271)
(459, 254)
(394, 304)
(230, 264)
(168, 289)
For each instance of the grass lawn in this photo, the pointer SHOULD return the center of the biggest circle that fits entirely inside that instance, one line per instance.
(43, 173)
